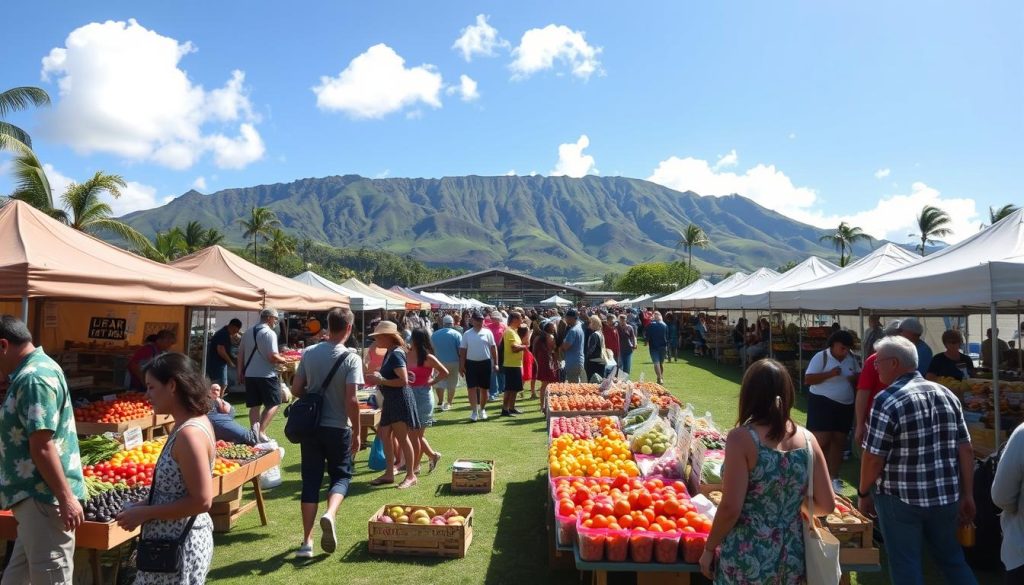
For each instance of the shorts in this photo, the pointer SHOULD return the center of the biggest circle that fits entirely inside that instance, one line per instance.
(825, 415)
(425, 403)
(657, 355)
(513, 379)
(451, 381)
(218, 375)
(478, 374)
(264, 392)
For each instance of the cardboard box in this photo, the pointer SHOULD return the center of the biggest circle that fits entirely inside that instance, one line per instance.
(859, 556)
(469, 481)
(420, 539)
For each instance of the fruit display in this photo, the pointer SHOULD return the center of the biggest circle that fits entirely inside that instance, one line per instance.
(97, 448)
(104, 507)
(224, 466)
(658, 394)
(653, 442)
(579, 403)
(582, 427)
(237, 452)
(667, 466)
(127, 407)
(573, 389)
(637, 418)
(618, 399)
(715, 496)
(604, 456)
(711, 439)
(844, 514)
(420, 515)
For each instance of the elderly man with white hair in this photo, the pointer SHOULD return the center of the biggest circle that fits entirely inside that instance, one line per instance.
(917, 468)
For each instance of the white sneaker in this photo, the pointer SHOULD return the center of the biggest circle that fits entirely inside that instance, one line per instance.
(305, 552)
(837, 486)
(446, 407)
(329, 540)
(483, 414)
(473, 416)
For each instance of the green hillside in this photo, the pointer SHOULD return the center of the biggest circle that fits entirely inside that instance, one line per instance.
(547, 226)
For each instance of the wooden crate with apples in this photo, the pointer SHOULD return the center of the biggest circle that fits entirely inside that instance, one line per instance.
(851, 528)
(398, 529)
(470, 477)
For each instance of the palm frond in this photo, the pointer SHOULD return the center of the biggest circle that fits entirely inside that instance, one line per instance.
(14, 138)
(30, 182)
(996, 215)
(20, 98)
(124, 231)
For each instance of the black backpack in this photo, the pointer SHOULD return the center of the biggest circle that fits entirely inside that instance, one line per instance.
(984, 554)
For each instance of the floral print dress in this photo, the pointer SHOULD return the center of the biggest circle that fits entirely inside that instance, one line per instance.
(766, 547)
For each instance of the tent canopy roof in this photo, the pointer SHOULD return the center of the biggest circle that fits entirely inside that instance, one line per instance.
(41, 257)
(411, 304)
(280, 292)
(556, 300)
(674, 300)
(753, 294)
(434, 303)
(360, 302)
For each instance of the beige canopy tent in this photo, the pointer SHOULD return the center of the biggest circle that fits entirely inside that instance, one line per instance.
(277, 291)
(392, 302)
(411, 304)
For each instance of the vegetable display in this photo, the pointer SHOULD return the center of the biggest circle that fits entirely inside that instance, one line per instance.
(128, 406)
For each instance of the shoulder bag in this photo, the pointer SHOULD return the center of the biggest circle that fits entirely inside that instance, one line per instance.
(162, 555)
(255, 348)
(304, 414)
(821, 549)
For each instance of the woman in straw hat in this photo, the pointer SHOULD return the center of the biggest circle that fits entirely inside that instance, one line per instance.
(398, 413)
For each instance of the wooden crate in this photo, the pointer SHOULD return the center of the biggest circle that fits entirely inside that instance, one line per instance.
(248, 471)
(227, 502)
(859, 556)
(420, 539)
(94, 535)
(852, 535)
(472, 481)
(91, 428)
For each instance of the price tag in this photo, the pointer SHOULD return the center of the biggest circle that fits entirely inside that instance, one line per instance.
(110, 397)
(132, 438)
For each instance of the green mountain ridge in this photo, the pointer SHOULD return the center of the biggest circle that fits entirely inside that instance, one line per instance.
(556, 227)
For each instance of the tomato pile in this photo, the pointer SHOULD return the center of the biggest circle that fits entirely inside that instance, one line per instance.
(131, 474)
(582, 427)
(606, 455)
(620, 517)
(128, 406)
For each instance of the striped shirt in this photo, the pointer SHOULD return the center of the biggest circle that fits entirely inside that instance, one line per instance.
(917, 426)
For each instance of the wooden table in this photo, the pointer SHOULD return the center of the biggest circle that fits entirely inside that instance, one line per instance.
(248, 473)
(368, 419)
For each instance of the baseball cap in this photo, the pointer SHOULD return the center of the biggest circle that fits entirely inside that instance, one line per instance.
(892, 327)
(477, 316)
(448, 320)
(912, 325)
(571, 313)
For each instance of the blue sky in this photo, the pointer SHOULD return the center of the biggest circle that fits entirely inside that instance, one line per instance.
(824, 111)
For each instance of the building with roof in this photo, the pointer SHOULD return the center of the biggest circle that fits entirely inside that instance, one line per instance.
(501, 287)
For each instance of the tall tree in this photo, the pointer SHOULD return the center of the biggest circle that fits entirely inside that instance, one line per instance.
(13, 100)
(193, 236)
(260, 223)
(786, 267)
(844, 238)
(997, 214)
(85, 211)
(932, 223)
(167, 246)
(212, 237)
(281, 246)
(31, 184)
(693, 237)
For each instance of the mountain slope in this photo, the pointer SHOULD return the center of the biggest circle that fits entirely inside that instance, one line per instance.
(547, 226)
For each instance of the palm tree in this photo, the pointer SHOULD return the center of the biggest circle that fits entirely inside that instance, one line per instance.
(933, 223)
(31, 184)
(693, 237)
(995, 215)
(845, 237)
(12, 100)
(212, 237)
(281, 246)
(167, 246)
(260, 223)
(84, 211)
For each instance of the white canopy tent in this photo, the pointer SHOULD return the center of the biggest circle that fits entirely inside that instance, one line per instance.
(359, 301)
(819, 295)
(446, 301)
(708, 298)
(675, 300)
(754, 293)
(556, 301)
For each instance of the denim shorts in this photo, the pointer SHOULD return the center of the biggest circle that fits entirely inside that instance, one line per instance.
(425, 403)
(657, 355)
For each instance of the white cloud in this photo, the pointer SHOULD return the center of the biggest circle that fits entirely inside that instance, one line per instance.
(892, 217)
(121, 91)
(236, 153)
(571, 160)
(467, 89)
(511, 173)
(479, 39)
(727, 160)
(882, 173)
(199, 184)
(542, 48)
(134, 196)
(383, 174)
(377, 83)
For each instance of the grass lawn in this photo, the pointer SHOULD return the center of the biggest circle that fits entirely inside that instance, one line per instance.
(510, 542)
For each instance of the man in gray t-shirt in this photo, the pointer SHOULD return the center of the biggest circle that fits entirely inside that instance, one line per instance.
(336, 439)
(257, 369)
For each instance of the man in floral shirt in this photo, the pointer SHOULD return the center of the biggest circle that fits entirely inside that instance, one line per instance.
(40, 466)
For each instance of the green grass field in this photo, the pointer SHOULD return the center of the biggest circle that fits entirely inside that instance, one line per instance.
(510, 543)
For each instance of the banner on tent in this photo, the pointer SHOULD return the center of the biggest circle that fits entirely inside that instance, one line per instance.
(108, 328)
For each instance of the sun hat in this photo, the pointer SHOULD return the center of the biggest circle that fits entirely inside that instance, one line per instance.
(388, 328)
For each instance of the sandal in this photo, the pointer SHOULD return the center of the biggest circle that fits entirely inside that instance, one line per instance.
(408, 483)
(382, 481)
(433, 463)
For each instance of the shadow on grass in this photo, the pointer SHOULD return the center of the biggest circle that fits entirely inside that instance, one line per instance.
(360, 553)
(263, 567)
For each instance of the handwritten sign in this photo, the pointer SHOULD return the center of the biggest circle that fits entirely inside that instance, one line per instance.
(132, 438)
(108, 328)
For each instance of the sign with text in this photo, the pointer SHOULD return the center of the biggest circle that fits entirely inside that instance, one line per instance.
(132, 438)
(108, 328)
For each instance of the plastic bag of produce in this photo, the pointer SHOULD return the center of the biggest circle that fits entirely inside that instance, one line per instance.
(666, 547)
(617, 545)
(591, 542)
(711, 471)
(641, 546)
(668, 466)
(271, 478)
(654, 437)
(637, 417)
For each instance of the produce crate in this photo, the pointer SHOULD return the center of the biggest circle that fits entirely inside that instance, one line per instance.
(78, 382)
(859, 556)
(420, 539)
(248, 471)
(91, 428)
(471, 481)
(851, 535)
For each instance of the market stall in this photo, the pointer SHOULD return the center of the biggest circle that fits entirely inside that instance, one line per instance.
(392, 302)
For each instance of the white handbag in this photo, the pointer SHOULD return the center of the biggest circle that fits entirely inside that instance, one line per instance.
(821, 549)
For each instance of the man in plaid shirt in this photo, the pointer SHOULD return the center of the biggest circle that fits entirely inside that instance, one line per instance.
(917, 468)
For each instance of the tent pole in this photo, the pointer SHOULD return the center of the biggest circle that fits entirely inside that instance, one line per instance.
(206, 338)
(800, 350)
(24, 309)
(860, 312)
(1020, 339)
(995, 374)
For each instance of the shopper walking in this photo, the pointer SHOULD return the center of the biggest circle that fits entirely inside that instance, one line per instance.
(335, 371)
(869, 385)
(627, 344)
(1008, 494)
(218, 353)
(478, 358)
(612, 341)
(425, 370)
(446, 342)
(495, 323)
(513, 350)
(39, 461)
(657, 343)
(257, 362)
(831, 374)
(545, 354)
(398, 414)
(572, 347)
(917, 469)
(673, 336)
(595, 364)
(182, 490)
(758, 528)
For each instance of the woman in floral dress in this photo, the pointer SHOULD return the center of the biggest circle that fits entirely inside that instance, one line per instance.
(757, 529)
(182, 479)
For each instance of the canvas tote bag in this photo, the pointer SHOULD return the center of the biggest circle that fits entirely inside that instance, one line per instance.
(821, 549)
